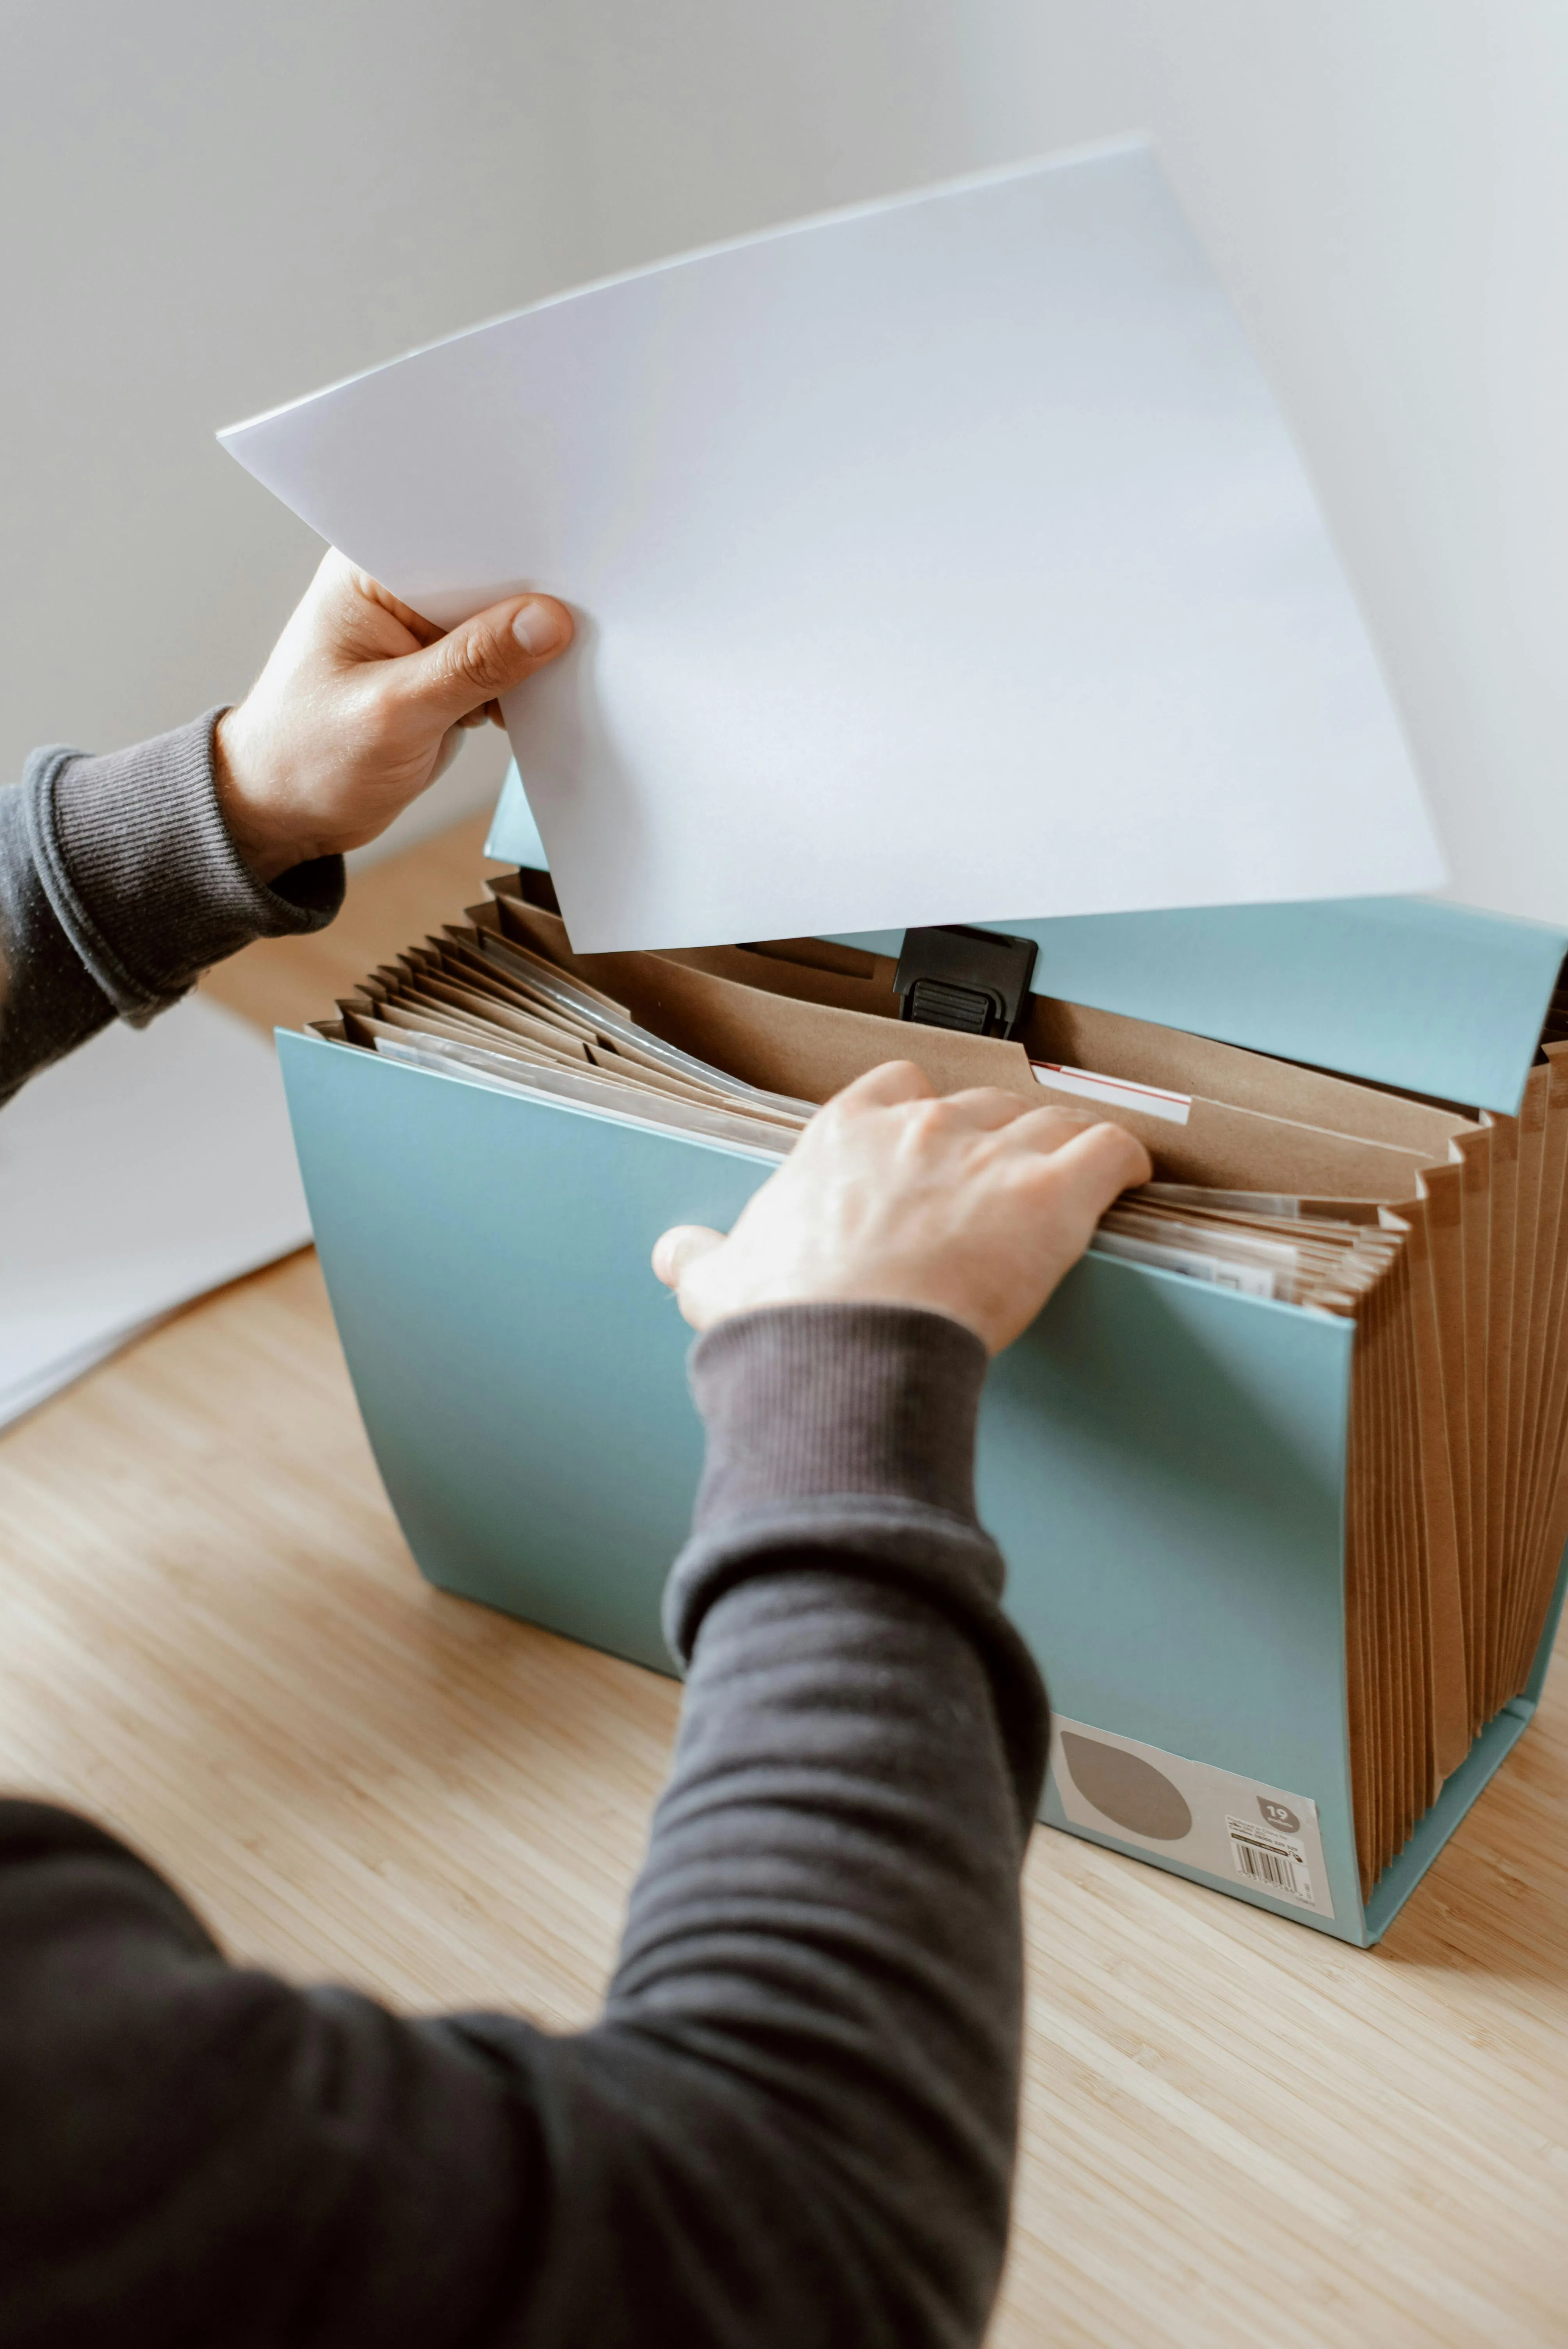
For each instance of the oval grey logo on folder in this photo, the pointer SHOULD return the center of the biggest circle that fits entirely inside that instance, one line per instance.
(1130, 1792)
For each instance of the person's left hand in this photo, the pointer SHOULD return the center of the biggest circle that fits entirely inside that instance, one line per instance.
(359, 708)
(973, 1206)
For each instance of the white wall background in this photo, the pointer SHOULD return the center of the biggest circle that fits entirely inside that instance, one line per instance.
(207, 209)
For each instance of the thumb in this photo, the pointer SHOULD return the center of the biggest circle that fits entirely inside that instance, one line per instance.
(482, 658)
(681, 1248)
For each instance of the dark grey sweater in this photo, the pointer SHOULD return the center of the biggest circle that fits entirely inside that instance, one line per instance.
(794, 2121)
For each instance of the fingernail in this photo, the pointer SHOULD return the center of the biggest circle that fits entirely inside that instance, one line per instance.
(537, 628)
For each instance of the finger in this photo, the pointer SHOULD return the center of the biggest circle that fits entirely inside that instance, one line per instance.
(985, 1108)
(1049, 1128)
(1095, 1167)
(684, 1245)
(893, 1081)
(349, 618)
(476, 662)
(349, 579)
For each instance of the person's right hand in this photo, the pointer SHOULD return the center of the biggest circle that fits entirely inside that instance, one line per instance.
(359, 708)
(973, 1205)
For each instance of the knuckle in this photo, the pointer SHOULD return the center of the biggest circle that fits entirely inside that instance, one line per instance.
(475, 662)
(1064, 1125)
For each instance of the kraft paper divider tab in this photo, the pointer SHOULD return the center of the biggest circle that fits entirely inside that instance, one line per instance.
(1552, 1376)
(1547, 1525)
(1503, 1156)
(1408, 1654)
(1377, 1468)
(1440, 1188)
(1525, 1300)
(1548, 1557)
(1552, 1267)
(1451, 1731)
(1417, 1582)
(1361, 1726)
(1551, 1264)
(1547, 1509)
(1535, 1248)
(1542, 1530)
(1524, 1398)
(1410, 1648)
(1365, 1568)
(1475, 1238)
(1375, 1566)
(1409, 1518)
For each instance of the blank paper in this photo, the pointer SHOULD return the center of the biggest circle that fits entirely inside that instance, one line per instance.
(149, 1167)
(945, 560)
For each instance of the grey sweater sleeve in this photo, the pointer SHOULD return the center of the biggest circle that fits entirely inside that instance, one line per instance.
(120, 885)
(794, 2121)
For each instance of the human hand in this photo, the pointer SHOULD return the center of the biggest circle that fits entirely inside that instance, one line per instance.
(359, 708)
(973, 1205)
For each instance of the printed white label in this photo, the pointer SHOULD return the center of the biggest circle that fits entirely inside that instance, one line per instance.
(1229, 1827)
(1116, 1092)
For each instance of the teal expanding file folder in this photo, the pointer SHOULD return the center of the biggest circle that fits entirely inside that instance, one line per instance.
(1163, 1463)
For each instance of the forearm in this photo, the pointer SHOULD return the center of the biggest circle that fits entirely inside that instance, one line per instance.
(827, 1932)
(119, 886)
(794, 2124)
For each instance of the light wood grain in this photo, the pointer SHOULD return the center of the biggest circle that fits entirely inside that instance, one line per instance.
(1236, 2134)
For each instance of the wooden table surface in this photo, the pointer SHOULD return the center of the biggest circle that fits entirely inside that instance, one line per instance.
(1236, 2135)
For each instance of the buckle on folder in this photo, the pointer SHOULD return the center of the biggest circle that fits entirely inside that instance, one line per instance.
(976, 981)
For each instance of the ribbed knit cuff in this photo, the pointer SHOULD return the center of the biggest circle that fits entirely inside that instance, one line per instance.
(843, 1437)
(136, 860)
(803, 1401)
(836, 1429)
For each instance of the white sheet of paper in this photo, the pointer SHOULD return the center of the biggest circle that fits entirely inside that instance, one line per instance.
(149, 1167)
(945, 560)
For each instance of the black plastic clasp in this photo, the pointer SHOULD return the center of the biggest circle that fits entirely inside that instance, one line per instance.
(976, 981)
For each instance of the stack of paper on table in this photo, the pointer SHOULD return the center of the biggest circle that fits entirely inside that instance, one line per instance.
(150, 1166)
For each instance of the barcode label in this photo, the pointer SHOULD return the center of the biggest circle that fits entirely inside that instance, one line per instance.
(1262, 1841)
(1267, 1866)
(1274, 1863)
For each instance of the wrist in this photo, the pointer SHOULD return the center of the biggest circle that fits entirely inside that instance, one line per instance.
(266, 843)
(813, 1400)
